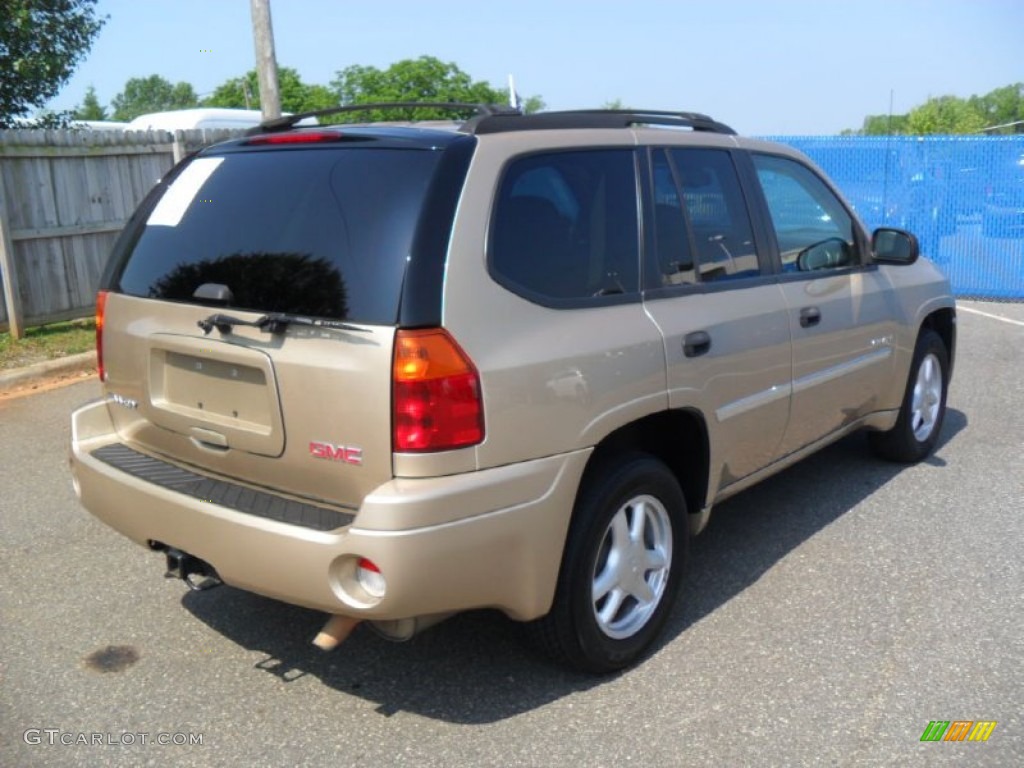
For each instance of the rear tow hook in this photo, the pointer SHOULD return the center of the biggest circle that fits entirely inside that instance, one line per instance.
(182, 565)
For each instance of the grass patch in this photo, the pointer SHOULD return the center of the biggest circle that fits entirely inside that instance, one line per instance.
(47, 342)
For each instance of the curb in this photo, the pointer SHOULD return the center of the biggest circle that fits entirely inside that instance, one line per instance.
(18, 377)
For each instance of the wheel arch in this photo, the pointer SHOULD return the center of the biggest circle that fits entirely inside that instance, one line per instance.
(678, 438)
(943, 322)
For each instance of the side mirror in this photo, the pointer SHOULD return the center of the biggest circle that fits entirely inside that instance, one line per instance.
(894, 246)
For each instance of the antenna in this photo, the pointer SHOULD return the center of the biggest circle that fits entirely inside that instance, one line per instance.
(513, 98)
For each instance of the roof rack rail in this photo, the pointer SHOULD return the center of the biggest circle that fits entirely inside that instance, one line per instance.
(289, 121)
(592, 118)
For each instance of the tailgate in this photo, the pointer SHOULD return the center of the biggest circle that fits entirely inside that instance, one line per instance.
(319, 232)
(307, 412)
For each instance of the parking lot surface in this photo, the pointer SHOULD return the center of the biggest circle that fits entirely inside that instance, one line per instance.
(829, 614)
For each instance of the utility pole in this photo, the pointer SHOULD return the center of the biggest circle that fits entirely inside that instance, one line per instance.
(266, 62)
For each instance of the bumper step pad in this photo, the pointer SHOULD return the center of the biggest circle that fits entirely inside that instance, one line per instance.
(225, 494)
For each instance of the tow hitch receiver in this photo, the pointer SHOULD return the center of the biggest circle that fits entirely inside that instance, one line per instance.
(182, 565)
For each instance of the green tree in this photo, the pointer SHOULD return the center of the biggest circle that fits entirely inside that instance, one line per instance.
(90, 108)
(142, 95)
(945, 115)
(615, 103)
(41, 42)
(422, 79)
(951, 115)
(879, 125)
(296, 96)
(1001, 106)
(533, 104)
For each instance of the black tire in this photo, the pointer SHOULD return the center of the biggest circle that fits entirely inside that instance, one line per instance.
(614, 494)
(923, 410)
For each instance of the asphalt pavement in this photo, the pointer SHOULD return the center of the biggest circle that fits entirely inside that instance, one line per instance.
(829, 614)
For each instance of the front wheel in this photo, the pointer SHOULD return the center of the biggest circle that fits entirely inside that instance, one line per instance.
(621, 569)
(924, 405)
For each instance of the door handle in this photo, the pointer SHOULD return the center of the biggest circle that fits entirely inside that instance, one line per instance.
(809, 316)
(208, 439)
(696, 343)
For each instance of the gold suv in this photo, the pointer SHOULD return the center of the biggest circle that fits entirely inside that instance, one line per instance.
(392, 372)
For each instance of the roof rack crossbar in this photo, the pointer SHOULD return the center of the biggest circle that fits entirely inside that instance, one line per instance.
(289, 121)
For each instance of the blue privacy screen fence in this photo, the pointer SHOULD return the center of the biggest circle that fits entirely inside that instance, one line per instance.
(963, 196)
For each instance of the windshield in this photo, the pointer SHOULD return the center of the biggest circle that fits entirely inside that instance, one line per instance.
(320, 232)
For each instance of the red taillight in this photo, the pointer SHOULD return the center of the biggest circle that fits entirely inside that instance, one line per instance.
(436, 398)
(101, 308)
(367, 565)
(309, 137)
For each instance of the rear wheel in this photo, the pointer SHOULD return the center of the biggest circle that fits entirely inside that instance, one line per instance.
(924, 404)
(622, 566)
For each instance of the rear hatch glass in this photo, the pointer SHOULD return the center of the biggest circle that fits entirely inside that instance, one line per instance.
(322, 232)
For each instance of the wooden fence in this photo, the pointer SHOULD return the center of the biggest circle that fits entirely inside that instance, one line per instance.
(64, 197)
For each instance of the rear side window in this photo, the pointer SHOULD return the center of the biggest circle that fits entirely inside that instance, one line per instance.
(700, 222)
(717, 213)
(565, 226)
(320, 232)
(676, 265)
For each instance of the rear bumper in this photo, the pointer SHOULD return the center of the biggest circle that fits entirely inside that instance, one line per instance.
(490, 538)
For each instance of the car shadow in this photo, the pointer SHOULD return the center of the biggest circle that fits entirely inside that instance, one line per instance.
(475, 667)
(749, 533)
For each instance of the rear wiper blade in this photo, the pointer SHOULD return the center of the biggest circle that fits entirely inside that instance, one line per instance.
(276, 322)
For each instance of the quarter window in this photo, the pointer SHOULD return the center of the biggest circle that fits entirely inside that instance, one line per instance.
(813, 230)
(565, 225)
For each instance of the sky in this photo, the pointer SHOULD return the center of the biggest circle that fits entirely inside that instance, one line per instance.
(765, 67)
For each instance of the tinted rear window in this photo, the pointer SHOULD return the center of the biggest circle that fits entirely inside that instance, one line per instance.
(315, 232)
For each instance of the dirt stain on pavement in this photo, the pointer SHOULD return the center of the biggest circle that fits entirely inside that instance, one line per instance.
(113, 658)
